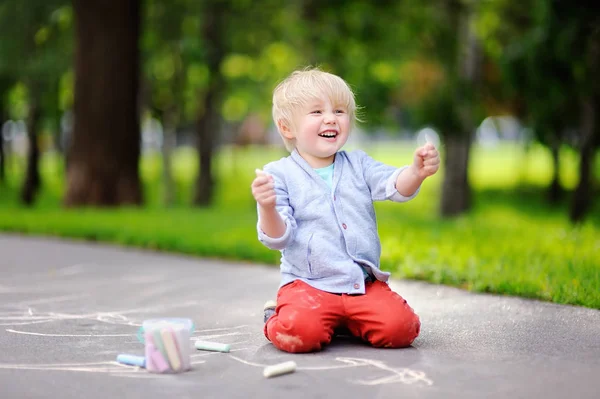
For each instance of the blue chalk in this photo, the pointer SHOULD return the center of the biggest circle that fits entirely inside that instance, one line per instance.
(132, 360)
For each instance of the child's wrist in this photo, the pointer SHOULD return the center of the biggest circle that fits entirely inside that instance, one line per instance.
(267, 208)
(414, 170)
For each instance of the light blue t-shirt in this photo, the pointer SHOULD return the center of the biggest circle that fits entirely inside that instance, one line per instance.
(327, 174)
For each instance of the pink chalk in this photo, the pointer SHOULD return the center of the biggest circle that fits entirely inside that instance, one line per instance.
(154, 358)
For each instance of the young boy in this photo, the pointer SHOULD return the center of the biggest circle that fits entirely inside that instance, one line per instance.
(316, 207)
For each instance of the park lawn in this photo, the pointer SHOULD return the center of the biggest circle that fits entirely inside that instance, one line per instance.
(511, 243)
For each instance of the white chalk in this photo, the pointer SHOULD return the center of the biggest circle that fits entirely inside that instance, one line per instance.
(212, 346)
(260, 172)
(279, 369)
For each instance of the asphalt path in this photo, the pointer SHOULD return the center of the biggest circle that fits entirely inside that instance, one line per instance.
(68, 309)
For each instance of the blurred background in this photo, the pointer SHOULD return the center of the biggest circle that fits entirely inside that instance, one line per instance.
(141, 122)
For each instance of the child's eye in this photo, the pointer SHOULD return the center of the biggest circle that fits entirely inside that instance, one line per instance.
(340, 111)
(316, 111)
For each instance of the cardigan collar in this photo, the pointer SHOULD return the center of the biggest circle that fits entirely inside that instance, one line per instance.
(337, 169)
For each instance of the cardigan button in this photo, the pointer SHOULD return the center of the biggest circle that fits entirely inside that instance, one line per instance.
(356, 286)
(344, 226)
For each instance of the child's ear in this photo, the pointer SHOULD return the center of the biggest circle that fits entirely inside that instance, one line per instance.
(285, 129)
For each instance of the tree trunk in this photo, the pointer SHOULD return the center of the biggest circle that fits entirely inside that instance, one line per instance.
(169, 120)
(582, 197)
(105, 149)
(207, 126)
(2, 156)
(208, 121)
(4, 86)
(555, 191)
(456, 191)
(31, 184)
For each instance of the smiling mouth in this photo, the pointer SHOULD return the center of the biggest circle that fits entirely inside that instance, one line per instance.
(328, 134)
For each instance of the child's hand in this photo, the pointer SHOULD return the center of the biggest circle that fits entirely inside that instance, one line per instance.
(426, 161)
(263, 189)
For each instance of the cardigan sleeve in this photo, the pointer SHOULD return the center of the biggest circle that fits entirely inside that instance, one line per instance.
(381, 179)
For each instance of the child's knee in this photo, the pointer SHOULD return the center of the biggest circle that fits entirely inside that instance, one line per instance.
(298, 337)
(398, 332)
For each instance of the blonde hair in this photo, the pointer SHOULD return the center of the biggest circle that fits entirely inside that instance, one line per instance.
(303, 86)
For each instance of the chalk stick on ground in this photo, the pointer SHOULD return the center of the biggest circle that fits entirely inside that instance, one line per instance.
(279, 369)
(212, 346)
(132, 360)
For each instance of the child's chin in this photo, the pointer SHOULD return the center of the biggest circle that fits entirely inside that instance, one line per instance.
(327, 154)
(331, 149)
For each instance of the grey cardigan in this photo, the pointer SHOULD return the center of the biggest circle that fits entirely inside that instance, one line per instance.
(331, 232)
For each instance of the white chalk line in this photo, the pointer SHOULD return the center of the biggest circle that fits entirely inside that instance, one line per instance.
(403, 375)
(101, 367)
(209, 353)
(19, 318)
(119, 313)
(213, 336)
(3, 365)
(221, 329)
(26, 323)
(68, 335)
(44, 301)
(113, 368)
(69, 317)
(110, 317)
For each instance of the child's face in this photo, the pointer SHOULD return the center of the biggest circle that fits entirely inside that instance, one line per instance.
(320, 128)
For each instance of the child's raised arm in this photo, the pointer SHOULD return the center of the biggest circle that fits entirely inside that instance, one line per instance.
(426, 162)
(263, 190)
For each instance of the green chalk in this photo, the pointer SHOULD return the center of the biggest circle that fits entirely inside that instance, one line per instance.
(212, 346)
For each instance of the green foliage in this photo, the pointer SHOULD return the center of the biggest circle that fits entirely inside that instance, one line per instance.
(401, 58)
(511, 243)
(35, 49)
(34, 36)
(17, 101)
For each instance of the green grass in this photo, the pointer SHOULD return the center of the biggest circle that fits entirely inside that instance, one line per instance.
(511, 243)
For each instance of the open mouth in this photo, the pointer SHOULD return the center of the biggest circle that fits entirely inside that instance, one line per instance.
(329, 134)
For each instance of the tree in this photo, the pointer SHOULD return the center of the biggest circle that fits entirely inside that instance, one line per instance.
(208, 122)
(585, 50)
(30, 35)
(537, 80)
(105, 150)
(456, 191)
(550, 59)
(452, 106)
(32, 175)
(5, 83)
(165, 65)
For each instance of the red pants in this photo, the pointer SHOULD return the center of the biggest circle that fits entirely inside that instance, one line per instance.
(305, 317)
